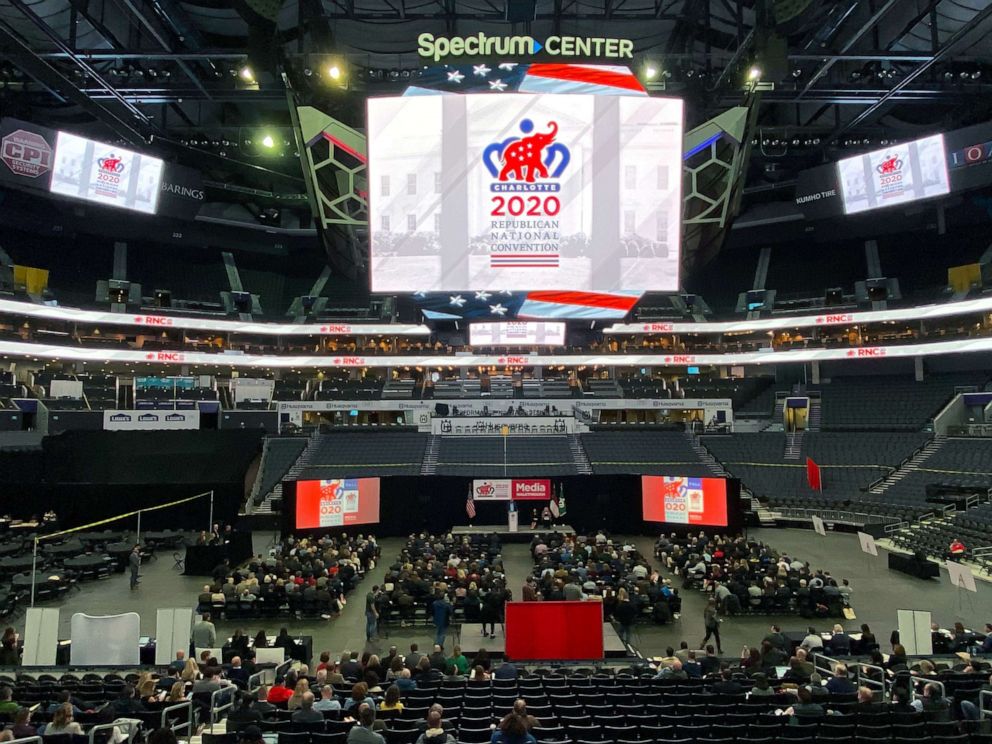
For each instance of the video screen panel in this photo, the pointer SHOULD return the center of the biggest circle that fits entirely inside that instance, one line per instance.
(893, 175)
(106, 174)
(516, 334)
(691, 501)
(339, 502)
(524, 192)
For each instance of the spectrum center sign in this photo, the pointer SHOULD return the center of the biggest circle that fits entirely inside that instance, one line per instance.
(481, 45)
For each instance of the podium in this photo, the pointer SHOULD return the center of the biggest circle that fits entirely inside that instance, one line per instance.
(513, 520)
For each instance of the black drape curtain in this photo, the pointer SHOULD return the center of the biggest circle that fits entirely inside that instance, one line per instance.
(86, 476)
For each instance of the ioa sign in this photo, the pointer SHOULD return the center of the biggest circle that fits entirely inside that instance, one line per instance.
(437, 48)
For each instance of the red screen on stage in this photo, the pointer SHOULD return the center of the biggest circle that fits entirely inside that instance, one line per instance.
(692, 501)
(554, 630)
(338, 502)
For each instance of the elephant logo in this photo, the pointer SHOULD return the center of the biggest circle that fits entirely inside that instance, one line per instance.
(891, 164)
(535, 155)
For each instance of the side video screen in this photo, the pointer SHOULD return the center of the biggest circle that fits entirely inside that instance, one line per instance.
(691, 501)
(339, 502)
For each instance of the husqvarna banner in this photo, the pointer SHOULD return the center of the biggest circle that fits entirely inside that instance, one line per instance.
(518, 191)
(511, 489)
(150, 420)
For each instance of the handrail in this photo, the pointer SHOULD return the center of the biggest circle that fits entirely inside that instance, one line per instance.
(188, 726)
(129, 723)
(216, 707)
(829, 668)
(865, 680)
(256, 680)
(281, 669)
(983, 696)
(924, 681)
(35, 739)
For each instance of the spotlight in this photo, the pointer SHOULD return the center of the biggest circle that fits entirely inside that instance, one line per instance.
(964, 76)
(650, 72)
(797, 73)
(948, 75)
(754, 74)
(246, 74)
(976, 74)
(334, 72)
(267, 141)
(307, 72)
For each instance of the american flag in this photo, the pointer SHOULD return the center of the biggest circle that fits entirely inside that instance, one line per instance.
(470, 505)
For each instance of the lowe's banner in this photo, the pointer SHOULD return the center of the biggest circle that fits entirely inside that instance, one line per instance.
(511, 489)
(150, 420)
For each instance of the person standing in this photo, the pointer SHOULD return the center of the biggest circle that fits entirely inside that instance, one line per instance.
(712, 624)
(442, 618)
(204, 633)
(371, 614)
(134, 561)
(625, 614)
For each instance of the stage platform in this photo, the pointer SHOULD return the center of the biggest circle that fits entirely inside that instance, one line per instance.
(472, 640)
(523, 534)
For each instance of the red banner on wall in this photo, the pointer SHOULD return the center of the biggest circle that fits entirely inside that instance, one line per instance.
(813, 475)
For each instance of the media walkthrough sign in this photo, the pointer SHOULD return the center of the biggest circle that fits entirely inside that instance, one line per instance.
(511, 489)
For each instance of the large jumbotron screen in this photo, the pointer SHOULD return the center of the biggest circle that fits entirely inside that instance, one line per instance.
(339, 502)
(701, 502)
(524, 192)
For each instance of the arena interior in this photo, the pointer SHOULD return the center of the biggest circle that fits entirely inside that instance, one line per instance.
(495, 371)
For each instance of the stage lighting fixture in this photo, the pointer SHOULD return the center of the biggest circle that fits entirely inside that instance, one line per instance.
(334, 72)
(650, 72)
(246, 74)
(267, 141)
(163, 298)
(754, 74)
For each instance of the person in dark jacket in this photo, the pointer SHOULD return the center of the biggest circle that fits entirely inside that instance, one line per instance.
(492, 610)
(126, 702)
(513, 730)
(712, 624)
(625, 613)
